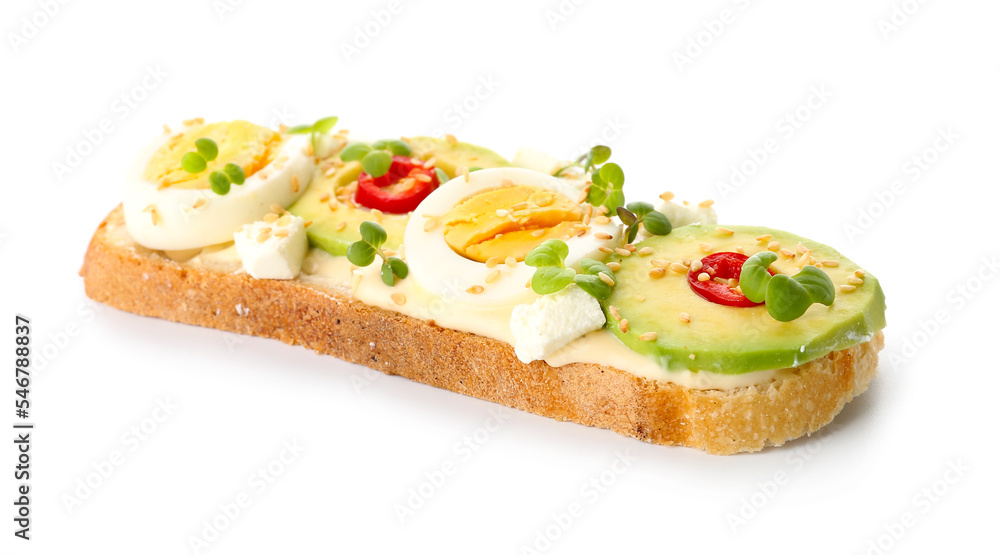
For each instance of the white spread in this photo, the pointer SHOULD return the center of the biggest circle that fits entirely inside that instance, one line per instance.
(687, 213)
(552, 321)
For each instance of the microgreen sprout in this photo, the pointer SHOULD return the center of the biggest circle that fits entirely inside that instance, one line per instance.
(786, 297)
(362, 253)
(607, 179)
(206, 151)
(376, 158)
(319, 127)
(637, 213)
(552, 275)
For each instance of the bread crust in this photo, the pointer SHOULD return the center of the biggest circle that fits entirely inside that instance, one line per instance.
(131, 278)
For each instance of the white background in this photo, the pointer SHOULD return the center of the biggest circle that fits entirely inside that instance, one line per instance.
(557, 83)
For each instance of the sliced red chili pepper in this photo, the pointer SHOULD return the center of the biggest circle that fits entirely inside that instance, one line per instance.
(724, 265)
(394, 192)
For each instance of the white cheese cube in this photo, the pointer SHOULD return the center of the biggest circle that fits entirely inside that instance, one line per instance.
(552, 321)
(686, 214)
(536, 160)
(273, 250)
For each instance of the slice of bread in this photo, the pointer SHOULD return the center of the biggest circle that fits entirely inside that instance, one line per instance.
(123, 274)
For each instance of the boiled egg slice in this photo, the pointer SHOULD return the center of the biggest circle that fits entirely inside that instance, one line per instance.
(167, 208)
(467, 240)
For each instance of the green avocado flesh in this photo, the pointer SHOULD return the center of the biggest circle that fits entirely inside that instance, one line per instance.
(734, 340)
(335, 230)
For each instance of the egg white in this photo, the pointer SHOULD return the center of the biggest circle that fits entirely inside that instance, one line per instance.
(440, 270)
(179, 225)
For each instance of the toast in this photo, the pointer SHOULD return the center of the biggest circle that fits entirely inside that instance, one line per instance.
(123, 274)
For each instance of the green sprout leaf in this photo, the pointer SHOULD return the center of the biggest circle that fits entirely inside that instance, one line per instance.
(207, 148)
(373, 234)
(604, 191)
(599, 155)
(817, 283)
(300, 129)
(627, 217)
(551, 279)
(754, 277)
(398, 267)
(354, 152)
(235, 173)
(192, 162)
(657, 223)
(594, 267)
(787, 299)
(399, 148)
(324, 125)
(387, 277)
(219, 182)
(442, 177)
(376, 163)
(613, 174)
(361, 254)
(593, 286)
(550, 253)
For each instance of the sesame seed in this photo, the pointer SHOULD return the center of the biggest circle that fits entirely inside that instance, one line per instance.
(855, 280)
(614, 266)
(801, 248)
(764, 238)
(341, 225)
(451, 139)
(199, 203)
(295, 183)
(645, 251)
(475, 290)
(285, 220)
(324, 197)
(704, 277)
(583, 197)
(264, 235)
(691, 356)
(686, 262)
(658, 263)
(538, 233)
(464, 172)
(787, 253)
(329, 172)
(679, 268)
(685, 317)
(696, 266)
(602, 220)
(377, 214)
(510, 261)
(648, 336)
(429, 163)
(520, 205)
(528, 283)
(859, 273)
(740, 250)
(603, 236)
(422, 177)
(408, 183)
(271, 218)
(630, 247)
(281, 233)
(724, 231)
(506, 183)
(307, 223)
(705, 247)
(830, 263)
(606, 278)
(623, 252)
(848, 288)
(492, 276)
(711, 271)
(657, 273)
(501, 213)
(431, 223)
(605, 250)
(277, 208)
(732, 282)
(773, 246)
(399, 298)
(666, 196)
(614, 313)
(492, 261)
(706, 203)
(623, 325)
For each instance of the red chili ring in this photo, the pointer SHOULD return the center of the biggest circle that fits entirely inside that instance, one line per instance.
(724, 265)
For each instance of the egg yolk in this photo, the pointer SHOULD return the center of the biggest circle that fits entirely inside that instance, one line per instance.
(240, 142)
(509, 221)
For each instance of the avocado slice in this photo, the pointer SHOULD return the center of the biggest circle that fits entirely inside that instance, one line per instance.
(450, 156)
(333, 230)
(736, 340)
